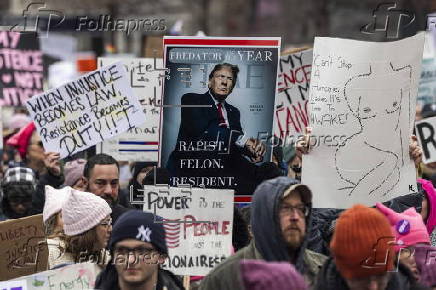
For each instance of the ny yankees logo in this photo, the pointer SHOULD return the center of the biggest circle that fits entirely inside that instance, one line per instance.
(143, 234)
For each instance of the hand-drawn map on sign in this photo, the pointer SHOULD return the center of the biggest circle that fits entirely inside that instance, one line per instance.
(198, 226)
(219, 109)
(293, 94)
(21, 69)
(140, 143)
(362, 109)
(84, 112)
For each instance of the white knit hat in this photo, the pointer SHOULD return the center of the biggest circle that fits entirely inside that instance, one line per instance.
(54, 199)
(83, 211)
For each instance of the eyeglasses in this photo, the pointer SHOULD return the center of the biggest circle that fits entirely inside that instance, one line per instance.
(301, 210)
(106, 223)
(138, 251)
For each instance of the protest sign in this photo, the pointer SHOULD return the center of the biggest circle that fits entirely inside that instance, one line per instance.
(209, 136)
(427, 83)
(21, 69)
(425, 131)
(293, 95)
(198, 224)
(14, 285)
(77, 276)
(84, 112)
(22, 247)
(140, 143)
(362, 108)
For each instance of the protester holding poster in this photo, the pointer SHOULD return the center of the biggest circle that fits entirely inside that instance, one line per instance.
(140, 233)
(219, 100)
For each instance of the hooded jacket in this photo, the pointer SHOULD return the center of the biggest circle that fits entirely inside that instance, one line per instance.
(268, 243)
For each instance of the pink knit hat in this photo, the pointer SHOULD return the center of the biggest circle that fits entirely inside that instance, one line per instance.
(82, 211)
(73, 171)
(257, 275)
(408, 227)
(431, 196)
(54, 199)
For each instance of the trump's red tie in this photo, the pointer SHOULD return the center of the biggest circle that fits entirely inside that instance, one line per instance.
(221, 120)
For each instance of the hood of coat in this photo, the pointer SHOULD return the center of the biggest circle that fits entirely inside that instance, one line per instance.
(265, 222)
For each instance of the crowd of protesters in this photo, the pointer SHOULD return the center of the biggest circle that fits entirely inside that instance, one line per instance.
(279, 241)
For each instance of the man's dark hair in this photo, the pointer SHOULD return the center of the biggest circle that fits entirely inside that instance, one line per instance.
(99, 159)
(233, 68)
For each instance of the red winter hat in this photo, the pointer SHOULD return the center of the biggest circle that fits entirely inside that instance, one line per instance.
(21, 139)
(362, 243)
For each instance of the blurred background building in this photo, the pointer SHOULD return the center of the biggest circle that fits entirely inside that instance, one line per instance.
(296, 21)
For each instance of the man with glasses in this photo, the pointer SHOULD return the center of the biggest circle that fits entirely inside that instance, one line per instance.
(280, 221)
(138, 249)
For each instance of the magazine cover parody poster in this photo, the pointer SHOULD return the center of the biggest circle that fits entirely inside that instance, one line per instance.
(218, 110)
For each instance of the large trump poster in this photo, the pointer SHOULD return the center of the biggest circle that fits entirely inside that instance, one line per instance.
(218, 111)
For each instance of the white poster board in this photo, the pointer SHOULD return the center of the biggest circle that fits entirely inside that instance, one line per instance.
(293, 95)
(14, 285)
(76, 276)
(84, 112)
(141, 143)
(425, 131)
(198, 226)
(362, 109)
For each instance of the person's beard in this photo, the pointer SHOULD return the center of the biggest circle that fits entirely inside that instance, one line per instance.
(294, 239)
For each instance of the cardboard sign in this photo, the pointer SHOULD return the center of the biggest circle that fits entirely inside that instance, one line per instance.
(209, 132)
(21, 69)
(77, 276)
(198, 225)
(22, 247)
(293, 95)
(140, 143)
(362, 110)
(425, 131)
(84, 112)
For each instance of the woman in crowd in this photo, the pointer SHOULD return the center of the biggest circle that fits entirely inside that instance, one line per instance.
(19, 183)
(409, 231)
(87, 227)
(428, 211)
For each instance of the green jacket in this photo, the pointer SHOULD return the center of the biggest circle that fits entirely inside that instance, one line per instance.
(227, 274)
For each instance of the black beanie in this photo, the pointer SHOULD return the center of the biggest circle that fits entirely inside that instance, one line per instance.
(142, 226)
